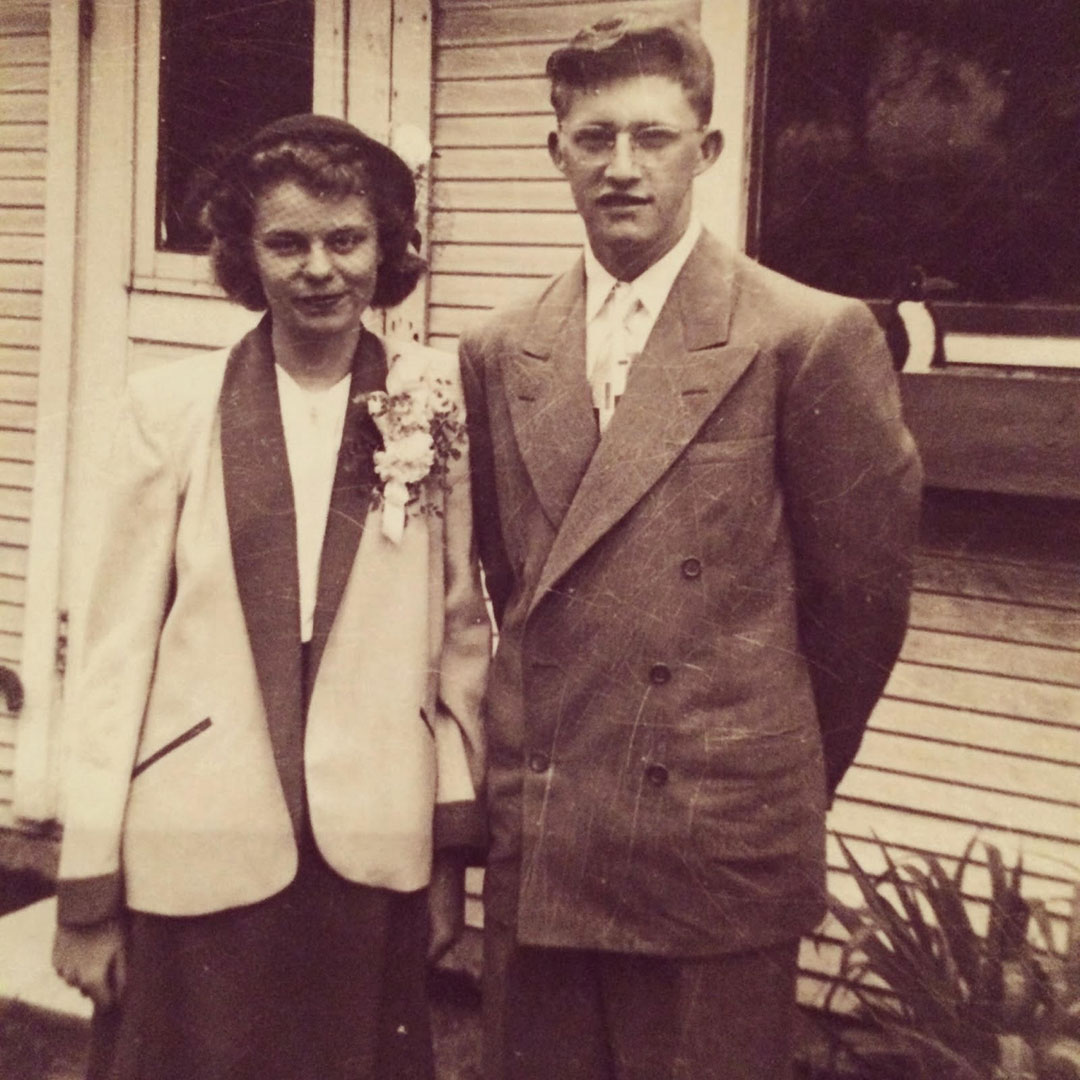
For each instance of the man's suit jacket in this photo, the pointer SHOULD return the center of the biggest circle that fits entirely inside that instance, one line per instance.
(697, 611)
(196, 749)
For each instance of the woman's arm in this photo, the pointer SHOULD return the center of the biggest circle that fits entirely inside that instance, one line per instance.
(498, 577)
(124, 613)
(459, 824)
(93, 959)
(463, 667)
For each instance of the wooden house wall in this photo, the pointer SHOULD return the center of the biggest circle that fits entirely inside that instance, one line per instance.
(978, 733)
(24, 75)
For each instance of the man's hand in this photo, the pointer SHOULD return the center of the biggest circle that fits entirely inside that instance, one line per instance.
(92, 959)
(446, 903)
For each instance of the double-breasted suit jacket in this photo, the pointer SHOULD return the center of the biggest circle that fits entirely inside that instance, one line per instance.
(196, 750)
(698, 610)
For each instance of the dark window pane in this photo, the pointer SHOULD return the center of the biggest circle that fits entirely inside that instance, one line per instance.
(227, 68)
(940, 134)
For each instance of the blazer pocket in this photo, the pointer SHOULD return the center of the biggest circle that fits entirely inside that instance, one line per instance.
(426, 722)
(170, 746)
(761, 797)
(733, 450)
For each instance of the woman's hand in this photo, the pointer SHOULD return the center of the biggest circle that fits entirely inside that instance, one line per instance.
(446, 903)
(92, 959)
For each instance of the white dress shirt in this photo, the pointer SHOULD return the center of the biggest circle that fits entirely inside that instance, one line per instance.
(650, 288)
(313, 421)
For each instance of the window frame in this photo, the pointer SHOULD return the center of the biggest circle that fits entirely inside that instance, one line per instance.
(156, 271)
(1008, 336)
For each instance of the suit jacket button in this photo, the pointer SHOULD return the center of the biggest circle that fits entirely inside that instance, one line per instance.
(539, 762)
(656, 774)
(659, 674)
(691, 568)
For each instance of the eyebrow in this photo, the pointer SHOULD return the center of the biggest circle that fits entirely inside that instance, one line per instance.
(610, 125)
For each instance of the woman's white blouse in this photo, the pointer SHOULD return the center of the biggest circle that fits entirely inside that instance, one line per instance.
(313, 422)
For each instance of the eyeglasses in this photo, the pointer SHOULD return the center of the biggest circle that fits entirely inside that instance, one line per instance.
(648, 142)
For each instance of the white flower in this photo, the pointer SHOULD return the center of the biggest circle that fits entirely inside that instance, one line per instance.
(411, 144)
(407, 459)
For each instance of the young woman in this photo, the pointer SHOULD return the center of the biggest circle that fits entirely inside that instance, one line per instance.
(276, 733)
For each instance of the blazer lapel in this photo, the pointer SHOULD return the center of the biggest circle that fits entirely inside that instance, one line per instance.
(354, 482)
(550, 406)
(262, 531)
(683, 373)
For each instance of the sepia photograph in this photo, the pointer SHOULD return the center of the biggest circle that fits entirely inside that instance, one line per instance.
(539, 540)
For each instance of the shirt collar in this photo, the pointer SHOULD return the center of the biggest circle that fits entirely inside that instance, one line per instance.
(289, 389)
(651, 287)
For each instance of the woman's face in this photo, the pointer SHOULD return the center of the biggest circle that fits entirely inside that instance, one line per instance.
(317, 258)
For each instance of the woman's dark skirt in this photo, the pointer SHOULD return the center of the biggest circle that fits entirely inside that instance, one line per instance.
(325, 981)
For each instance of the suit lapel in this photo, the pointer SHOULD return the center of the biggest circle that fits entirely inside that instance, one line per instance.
(550, 405)
(262, 531)
(684, 372)
(354, 482)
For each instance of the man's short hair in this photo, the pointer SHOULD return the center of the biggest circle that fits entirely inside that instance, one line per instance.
(626, 46)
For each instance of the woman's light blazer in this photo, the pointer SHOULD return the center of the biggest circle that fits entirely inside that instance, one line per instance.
(194, 756)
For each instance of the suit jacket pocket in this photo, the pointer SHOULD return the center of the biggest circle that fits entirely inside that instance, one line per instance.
(733, 450)
(760, 797)
(170, 746)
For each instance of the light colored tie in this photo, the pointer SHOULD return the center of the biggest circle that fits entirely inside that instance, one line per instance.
(616, 352)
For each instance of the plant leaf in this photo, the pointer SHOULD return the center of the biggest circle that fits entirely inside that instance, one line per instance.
(1072, 944)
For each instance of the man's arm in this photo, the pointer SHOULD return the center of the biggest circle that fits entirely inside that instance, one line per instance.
(852, 482)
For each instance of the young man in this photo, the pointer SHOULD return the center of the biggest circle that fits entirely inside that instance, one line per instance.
(696, 503)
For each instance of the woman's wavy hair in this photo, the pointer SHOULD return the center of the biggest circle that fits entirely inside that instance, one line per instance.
(327, 157)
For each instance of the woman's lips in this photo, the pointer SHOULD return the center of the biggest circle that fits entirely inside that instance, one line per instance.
(318, 305)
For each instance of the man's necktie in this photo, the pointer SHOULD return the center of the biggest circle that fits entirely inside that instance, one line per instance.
(615, 353)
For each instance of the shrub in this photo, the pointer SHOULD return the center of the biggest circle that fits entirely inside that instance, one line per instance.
(955, 1004)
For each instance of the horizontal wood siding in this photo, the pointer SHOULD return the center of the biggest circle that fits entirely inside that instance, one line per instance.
(979, 729)
(24, 74)
(502, 218)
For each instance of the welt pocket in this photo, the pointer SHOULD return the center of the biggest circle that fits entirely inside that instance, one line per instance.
(729, 449)
(426, 722)
(170, 746)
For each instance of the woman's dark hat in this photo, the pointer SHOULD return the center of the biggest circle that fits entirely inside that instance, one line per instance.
(394, 177)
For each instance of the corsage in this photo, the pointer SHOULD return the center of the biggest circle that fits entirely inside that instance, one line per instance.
(422, 432)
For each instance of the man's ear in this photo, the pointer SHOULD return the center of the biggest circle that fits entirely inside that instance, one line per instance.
(555, 151)
(712, 143)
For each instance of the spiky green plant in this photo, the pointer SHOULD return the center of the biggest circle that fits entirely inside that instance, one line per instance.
(954, 1003)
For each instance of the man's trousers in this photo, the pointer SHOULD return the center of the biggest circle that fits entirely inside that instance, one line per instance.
(582, 1015)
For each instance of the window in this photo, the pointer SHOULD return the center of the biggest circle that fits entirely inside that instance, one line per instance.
(208, 73)
(935, 137)
(227, 68)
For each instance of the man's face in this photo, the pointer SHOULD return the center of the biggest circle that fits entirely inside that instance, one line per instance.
(631, 149)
